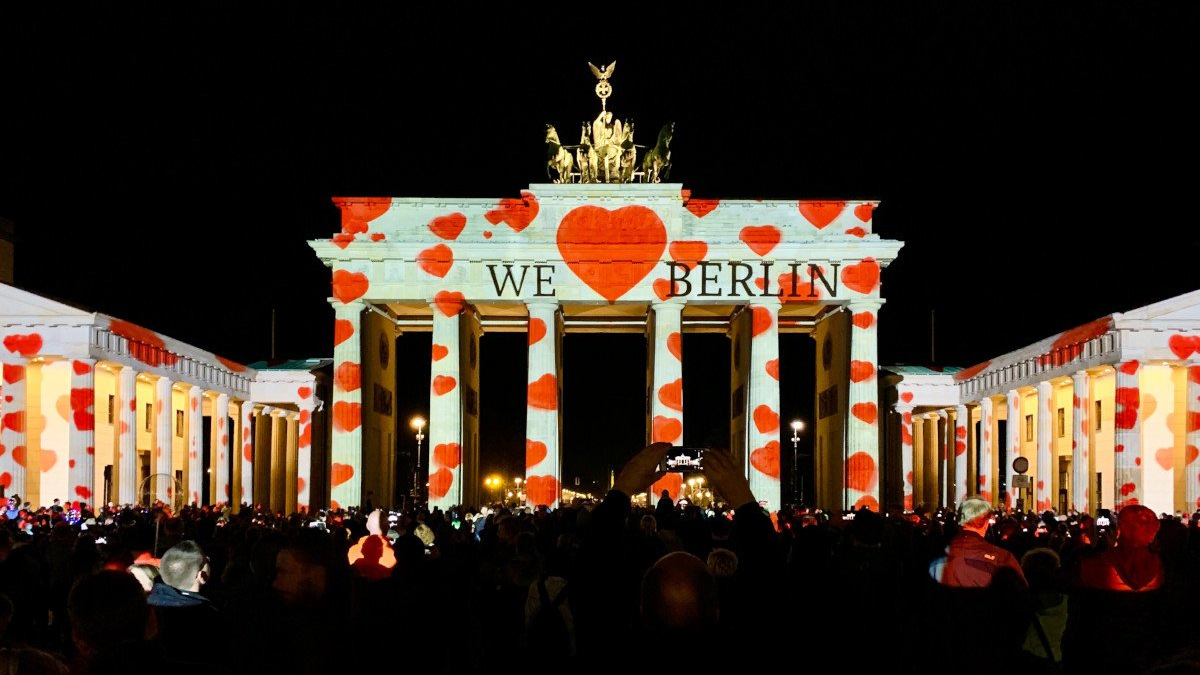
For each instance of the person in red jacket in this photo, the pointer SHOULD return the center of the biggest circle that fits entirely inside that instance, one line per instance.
(1130, 565)
(971, 561)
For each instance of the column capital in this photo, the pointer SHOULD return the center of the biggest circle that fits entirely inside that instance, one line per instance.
(543, 304)
(943, 413)
(770, 301)
(859, 304)
(1080, 375)
(903, 407)
(343, 307)
(1045, 386)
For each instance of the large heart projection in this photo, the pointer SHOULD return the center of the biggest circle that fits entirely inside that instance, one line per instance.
(611, 251)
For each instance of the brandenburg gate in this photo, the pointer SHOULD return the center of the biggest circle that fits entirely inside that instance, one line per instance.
(604, 245)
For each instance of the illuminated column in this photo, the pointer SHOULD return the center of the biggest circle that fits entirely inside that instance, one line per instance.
(292, 432)
(944, 443)
(1080, 441)
(543, 469)
(13, 437)
(81, 472)
(920, 457)
(930, 492)
(246, 456)
(1127, 424)
(195, 469)
(1013, 431)
(260, 493)
(445, 408)
(279, 441)
(762, 433)
(1045, 460)
(862, 434)
(304, 451)
(163, 483)
(1191, 485)
(218, 439)
(666, 405)
(127, 455)
(908, 452)
(961, 488)
(987, 421)
(345, 479)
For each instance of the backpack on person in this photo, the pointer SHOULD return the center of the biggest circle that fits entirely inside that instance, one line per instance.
(547, 633)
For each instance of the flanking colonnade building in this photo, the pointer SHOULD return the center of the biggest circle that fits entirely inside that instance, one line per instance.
(95, 409)
(1105, 415)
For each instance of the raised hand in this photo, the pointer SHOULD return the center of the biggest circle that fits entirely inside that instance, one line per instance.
(640, 472)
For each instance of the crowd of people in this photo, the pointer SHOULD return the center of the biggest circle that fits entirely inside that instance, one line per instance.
(598, 585)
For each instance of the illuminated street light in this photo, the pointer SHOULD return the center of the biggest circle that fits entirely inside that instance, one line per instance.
(418, 424)
(797, 427)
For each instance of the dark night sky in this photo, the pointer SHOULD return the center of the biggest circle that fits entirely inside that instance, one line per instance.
(1035, 158)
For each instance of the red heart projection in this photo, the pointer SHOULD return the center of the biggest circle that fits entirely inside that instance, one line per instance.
(906, 430)
(1190, 455)
(439, 352)
(1165, 458)
(1128, 400)
(688, 252)
(18, 455)
(442, 384)
(342, 330)
(14, 421)
(907, 397)
(541, 490)
(436, 260)
(1129, 367)
(1181, 345)
(773, 369)
(821, 214)
(804, 292)
(348, 376)
(863, 212)
(1193, 374)
(304, 392)
(340, 473)
(700, 207)
(671, 395)
(861, 370)
(863, 320)
(537, 330)
(347, 416)
(761, 239)
(13, 373)
(766, 459)
(378, 236)
(535, 452)
(864, 411)
(862, 277)
(666, 429)
(857, 232)
(765, 419)
(671, 482)
(760, 321)
(869, 503)
(147, 347)
(248, 452)
(861, 473)
(447, 455)
(356, 213)
(440, 482)
(960, 447)
(49, 457)
(543, 393)
(662, 288)
(6, 480)
(611, 251)
(81, 368)
(304, 439)
(675, 345)
(449, 302)
(448, 227)
(349, 286)
(300, 485)
(25, 345)
(516, 213)
(80, 490)
(342, 240)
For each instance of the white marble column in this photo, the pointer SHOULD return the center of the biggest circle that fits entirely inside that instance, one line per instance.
(945, 451)
(930, 493)
(304, 452)
(195, 467)
(218, 439)
(13, 434)
(1080, 443)
(246, 457)
(1127, 425)
(81, 473)
(1013, 431)
(127, 455)
(346, 417)
(543, 460)
(962, 487)
(908, 451)
(862, 433)
(1046, 465)
(164, 482)
(666, 404)
(260, 493)
(445, 408)
(762, 430)
(1191, 487)
(987, 422)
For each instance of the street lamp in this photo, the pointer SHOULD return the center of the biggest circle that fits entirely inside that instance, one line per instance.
(797, 426)
(418, 424)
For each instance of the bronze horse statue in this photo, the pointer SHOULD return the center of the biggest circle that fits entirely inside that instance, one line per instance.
(656, 163)
(559, 161)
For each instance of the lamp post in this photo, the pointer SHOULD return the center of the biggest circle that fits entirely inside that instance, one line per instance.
(418, 424)
(797, 426)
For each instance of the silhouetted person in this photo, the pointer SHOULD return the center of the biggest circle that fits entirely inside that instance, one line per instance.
(188, 622)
